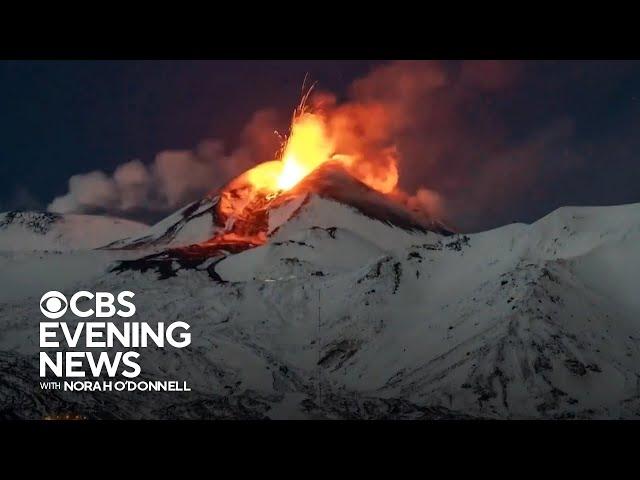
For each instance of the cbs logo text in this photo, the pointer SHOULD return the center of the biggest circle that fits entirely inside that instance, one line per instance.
(54, 304)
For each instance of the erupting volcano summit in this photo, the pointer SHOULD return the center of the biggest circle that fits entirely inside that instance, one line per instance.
(246, 211)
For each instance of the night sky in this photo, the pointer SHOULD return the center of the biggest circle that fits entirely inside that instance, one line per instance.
(61, 118)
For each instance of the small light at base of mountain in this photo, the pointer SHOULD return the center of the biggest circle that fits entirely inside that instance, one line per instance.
(65, 416)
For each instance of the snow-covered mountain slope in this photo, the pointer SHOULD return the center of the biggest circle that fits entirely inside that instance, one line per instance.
(341, 315)
(25, 274)
(27, 231)
(331, 182)
(225, 212)
(194, 223)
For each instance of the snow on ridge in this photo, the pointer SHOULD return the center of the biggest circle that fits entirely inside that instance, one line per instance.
(331, 181)
(523, 321)
(30, 230)
(318, 211)
(194, 223)
(201, 221)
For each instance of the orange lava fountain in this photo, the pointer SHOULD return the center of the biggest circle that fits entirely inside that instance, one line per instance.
(309, 145)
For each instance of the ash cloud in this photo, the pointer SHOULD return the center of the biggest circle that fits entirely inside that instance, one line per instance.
(446, 125)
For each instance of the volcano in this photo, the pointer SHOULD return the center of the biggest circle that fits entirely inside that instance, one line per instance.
(235, 219)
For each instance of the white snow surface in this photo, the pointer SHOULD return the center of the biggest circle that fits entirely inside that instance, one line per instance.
(192, 224)
(28, 231)
(343, 316)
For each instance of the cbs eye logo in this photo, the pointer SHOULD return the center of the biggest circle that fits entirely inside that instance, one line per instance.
(53, 304)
